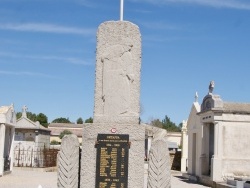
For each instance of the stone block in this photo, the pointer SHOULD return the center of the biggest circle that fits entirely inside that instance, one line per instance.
(136, 152)
(68, 163)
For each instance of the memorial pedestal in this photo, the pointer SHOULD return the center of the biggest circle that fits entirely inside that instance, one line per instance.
(93, 173)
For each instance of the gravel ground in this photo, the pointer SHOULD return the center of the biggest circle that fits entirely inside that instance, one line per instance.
(32, 179)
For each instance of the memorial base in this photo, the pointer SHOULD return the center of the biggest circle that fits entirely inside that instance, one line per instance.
(89, 159)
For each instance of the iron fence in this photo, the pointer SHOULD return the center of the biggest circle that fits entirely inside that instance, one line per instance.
(37, 157)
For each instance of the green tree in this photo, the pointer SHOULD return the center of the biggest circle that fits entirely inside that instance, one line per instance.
(31, 116)
(43, 120)
(169, 125)
(61, 120)
(156, 123)
(63, 133)
(180, 125)
(79, 121)
(89, 120)
(18, 115)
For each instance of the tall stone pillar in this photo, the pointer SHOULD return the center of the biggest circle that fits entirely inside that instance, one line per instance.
(216, 170)
(12, 138)
(2, 140)
(184, 150)
(117, 105)
(118, 67)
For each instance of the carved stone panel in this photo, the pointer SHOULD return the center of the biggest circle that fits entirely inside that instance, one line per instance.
(118, 67)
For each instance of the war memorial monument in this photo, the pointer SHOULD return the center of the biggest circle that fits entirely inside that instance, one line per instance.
(113, 146)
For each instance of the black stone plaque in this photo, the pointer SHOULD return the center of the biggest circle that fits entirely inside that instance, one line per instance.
(112, 161)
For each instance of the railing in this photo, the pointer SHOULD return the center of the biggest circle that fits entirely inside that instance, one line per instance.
(37, 157)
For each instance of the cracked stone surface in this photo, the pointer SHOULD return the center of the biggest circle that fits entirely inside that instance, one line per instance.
(118, 67)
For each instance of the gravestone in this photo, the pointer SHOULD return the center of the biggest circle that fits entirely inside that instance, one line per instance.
(113, 146)
(68, 163)
(159, 173)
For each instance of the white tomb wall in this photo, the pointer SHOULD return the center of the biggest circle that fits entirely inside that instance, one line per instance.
(235, 151)
(2, 138)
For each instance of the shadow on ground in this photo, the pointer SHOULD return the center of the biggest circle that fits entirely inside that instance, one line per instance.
(181, 178)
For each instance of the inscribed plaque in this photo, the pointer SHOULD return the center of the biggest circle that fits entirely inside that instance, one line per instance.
(112, 161)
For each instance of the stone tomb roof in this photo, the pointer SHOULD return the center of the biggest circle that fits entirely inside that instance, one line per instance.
(57, 128)
(215, 103)
(26, 123)
(231, 107)
(4, 109)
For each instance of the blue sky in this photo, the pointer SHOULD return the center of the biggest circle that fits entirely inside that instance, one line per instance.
(47, 53)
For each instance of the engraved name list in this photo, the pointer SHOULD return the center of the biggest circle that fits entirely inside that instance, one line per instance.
(112, 160)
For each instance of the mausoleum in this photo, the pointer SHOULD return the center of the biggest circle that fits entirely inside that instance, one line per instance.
(218, 139)
(29, 131)
(7, 129)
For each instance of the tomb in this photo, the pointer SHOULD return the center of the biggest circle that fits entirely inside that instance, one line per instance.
(7, 129)
(28, 131)
(218, 139)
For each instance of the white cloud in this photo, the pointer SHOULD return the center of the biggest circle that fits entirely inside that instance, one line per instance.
(64, 59)
(71, 60)
(234, 4)
(24, 73)
(48, 28)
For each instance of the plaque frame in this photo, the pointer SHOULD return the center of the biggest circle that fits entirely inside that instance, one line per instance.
(112, 160)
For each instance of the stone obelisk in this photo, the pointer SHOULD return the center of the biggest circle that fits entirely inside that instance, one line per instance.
(116, 111)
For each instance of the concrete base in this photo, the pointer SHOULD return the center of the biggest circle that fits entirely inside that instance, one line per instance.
(216, 170)
(136, 152)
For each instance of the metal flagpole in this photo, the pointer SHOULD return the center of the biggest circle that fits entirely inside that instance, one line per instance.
(121, 10)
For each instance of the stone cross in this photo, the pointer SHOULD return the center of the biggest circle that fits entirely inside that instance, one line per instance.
(24, 111)
(196, 97)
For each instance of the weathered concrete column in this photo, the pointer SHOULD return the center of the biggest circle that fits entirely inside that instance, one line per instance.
(184, 150)
(2, 140)
(12, 138)
(216, 160)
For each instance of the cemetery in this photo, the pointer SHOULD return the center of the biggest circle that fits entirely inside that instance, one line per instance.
(113, 147)
(117, 150)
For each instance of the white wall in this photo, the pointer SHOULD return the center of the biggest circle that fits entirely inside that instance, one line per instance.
(235, 150)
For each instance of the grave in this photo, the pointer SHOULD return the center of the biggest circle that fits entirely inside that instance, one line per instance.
(218, 138)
